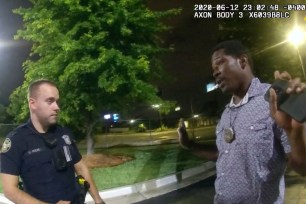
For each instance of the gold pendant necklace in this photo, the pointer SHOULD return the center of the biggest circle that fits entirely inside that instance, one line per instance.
(229, 135)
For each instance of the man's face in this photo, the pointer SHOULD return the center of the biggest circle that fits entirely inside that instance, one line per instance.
(226, 71)
(44, 104)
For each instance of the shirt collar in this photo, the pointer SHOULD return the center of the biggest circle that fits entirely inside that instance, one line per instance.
(242, 102)
(252, 91)
(255, 88)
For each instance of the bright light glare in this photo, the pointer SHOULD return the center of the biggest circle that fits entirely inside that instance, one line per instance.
(156, 105)
(296, 36)
(5, 43)
(107, 116)
(211, 86)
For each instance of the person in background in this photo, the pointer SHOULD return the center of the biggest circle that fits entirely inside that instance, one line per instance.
(255, 140)
(44, 155)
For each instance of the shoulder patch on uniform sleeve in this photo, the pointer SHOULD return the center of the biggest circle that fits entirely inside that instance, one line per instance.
(6, 145)
(67, 139)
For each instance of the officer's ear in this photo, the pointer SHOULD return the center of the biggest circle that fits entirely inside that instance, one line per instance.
(243, 61)
(31, 102)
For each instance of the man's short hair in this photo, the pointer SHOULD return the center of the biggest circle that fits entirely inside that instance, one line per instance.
(234, 48)
(34, 86)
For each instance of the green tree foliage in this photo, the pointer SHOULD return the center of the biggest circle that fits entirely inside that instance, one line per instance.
(266, 37)
(3, 113)
(101, 53)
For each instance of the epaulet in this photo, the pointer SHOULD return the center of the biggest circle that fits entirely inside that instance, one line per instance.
(16, 130)
(62, 128)
(22, 126)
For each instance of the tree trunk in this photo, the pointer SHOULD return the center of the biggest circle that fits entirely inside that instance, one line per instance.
(89, 140)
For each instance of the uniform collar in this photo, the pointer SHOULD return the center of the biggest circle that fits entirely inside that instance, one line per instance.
(51, 129)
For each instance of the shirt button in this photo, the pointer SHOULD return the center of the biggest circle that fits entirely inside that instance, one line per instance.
(252, 127)
(226, 151)
(222, 174)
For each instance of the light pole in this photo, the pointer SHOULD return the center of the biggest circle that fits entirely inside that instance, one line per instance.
(157, 106)
(296, 37)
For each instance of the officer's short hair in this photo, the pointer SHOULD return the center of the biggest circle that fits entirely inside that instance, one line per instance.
(234, 48)
(34, 86)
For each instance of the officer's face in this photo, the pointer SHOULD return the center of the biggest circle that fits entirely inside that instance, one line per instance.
(45, 104)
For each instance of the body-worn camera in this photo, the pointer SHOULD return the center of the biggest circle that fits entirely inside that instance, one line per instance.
(59, 160)
(292, 104)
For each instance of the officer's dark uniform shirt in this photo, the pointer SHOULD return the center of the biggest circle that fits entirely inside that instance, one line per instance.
(26, 153)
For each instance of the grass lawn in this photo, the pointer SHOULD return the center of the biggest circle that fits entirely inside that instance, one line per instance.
(150, 162)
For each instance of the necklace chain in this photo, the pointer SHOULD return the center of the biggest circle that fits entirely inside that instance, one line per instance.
(232, 122)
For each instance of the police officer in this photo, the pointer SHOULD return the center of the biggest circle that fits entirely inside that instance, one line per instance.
(43, 154)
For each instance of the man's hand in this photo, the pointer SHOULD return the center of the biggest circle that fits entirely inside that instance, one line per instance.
(295, 130)
(281, 118)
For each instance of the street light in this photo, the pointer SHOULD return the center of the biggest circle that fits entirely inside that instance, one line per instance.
(157, 106)
(296, 37)
(7, 43)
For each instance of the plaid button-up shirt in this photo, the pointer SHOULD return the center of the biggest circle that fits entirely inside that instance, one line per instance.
(250, 169)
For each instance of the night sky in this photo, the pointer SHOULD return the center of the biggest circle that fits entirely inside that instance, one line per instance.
(191, 38)
(12, 53)
(189, 64)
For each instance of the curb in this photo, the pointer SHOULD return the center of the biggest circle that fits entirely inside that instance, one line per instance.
(151, 188)
(156, 187)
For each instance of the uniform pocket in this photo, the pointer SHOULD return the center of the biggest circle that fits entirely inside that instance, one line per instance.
(39, 166)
